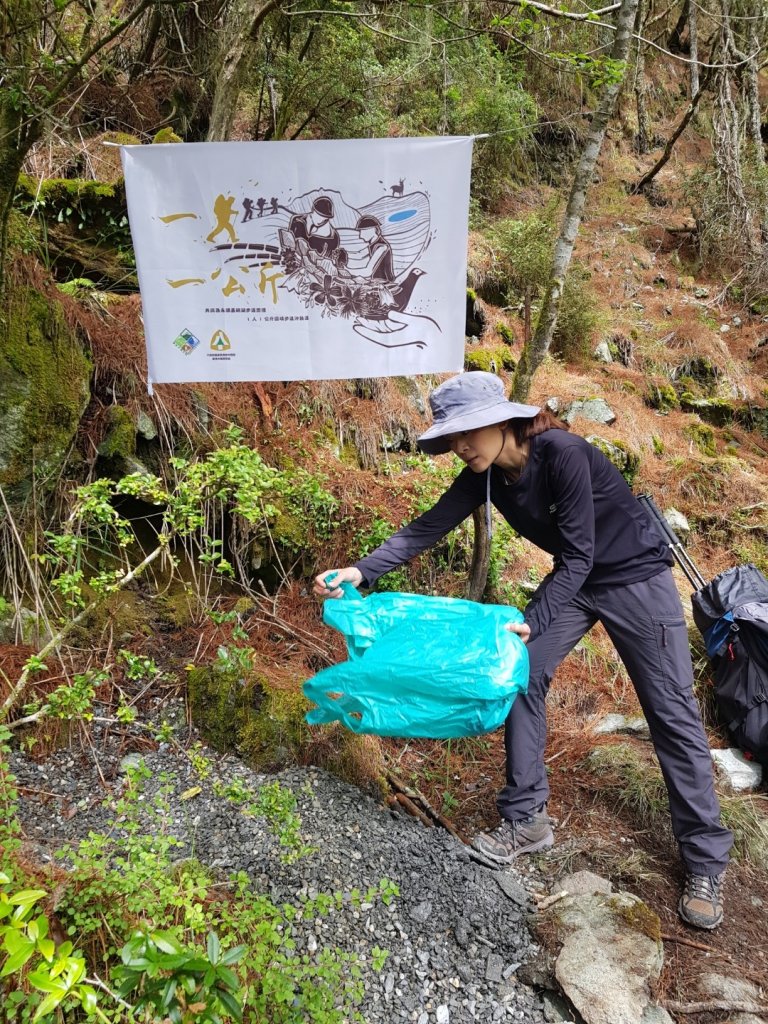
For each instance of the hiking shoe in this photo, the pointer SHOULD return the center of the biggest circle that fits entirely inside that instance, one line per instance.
(701, 903)
(511, 838)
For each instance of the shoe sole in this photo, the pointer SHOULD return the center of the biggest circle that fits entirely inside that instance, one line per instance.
(543, 844)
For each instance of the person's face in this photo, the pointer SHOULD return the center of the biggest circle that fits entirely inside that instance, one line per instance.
(317, 219)
(478, 448)
(368, 234)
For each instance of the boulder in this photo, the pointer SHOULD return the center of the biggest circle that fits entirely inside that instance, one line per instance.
(596, 410)
(736, 771)
(44, 390)
(607, 953)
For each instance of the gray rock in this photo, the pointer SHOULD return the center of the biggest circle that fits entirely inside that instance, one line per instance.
(678, 523)
(728, 989)
(582, 883)
(494, 967)
(596, 410)
(635, 726)
(23, 627)
(553, 405)
(603, 353)
(656, 1015)
(422, 912)
(131, 761)
(607, 954)
(145, 427)
(512, 888)
(557, 1010)
(736, 771)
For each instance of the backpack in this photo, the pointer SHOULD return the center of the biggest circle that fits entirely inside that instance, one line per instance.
(731, 613)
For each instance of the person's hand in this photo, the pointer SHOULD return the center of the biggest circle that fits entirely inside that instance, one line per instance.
(522, 629)
(328, 583)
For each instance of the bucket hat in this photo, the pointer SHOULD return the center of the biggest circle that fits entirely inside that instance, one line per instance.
(465, 402)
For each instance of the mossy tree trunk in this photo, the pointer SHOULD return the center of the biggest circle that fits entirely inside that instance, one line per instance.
(533, 355)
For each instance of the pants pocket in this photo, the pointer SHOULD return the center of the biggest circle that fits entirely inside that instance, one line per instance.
(674, 652)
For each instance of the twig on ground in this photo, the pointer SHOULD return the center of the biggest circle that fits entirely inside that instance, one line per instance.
(717, 1004)
(688, 942)
(415, 795)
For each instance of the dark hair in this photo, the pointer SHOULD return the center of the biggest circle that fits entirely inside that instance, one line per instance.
(522, 429)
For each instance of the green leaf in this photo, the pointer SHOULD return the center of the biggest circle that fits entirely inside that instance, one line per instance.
(41, 979)
(230, 1003)
(167, 942)
(214, 947)
(47, 947)
(233, 955)
(88, 999)
(49, 1003)
(18, 959)
(27, 897)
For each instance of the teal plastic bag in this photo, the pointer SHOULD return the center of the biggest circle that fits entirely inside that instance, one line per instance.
(430, 667)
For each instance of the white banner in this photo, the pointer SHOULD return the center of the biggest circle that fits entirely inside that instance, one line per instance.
(301, 260)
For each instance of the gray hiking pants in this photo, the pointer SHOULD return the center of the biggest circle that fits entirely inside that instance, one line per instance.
(646, 624)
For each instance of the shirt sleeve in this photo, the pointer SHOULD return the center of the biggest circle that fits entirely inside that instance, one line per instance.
(459, 501)
(571, 489)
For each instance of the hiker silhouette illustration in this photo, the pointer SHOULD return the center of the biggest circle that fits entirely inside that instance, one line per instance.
(248, 207)
(224, 212)
(273, 205)
(261, 202)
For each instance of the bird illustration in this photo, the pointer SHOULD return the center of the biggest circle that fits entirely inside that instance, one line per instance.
(401, 296)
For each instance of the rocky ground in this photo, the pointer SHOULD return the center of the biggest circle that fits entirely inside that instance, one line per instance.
(455, 934)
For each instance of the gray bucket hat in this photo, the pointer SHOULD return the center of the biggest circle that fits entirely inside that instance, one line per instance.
(465, 402)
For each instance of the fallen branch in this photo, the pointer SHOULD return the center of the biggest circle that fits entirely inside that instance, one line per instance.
(410, 806)
(717, 1004)
(415, 795)
(688, 942)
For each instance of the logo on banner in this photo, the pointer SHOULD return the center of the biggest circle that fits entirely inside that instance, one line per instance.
(186, 342)
(220, 342)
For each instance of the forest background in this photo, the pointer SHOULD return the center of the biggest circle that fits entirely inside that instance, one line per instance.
(158, 550)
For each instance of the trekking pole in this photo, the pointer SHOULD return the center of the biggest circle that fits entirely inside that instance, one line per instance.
(679, 553)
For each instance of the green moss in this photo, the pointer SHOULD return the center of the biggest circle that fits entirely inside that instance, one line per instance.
(260, 722)
(120, 441)
(167, 135)
(121, 138)
(471, 294)
(638, 916)
(703, 437)
(505, 333)
(662, 397)
(658, 445)
(718, 411)
(621, 455)
(490, 359)
(44, 389)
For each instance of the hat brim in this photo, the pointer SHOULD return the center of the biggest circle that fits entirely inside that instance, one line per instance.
(434, 441)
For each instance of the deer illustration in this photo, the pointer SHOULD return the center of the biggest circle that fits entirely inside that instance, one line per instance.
(397, 190)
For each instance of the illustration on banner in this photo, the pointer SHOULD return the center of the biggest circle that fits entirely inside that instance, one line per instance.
(360, 264)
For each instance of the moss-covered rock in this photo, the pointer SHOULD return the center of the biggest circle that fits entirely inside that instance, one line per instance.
(662, 397)
(489, 359)
(166, 135)
(620, 454)
(242, 712)
(120, 440)
(44, 389)
(717, 411)
(702, 436)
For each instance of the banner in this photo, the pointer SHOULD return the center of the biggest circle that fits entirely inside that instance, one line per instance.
(300, 260)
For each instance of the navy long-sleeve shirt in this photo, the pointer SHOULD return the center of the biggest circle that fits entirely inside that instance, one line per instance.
(570, 500)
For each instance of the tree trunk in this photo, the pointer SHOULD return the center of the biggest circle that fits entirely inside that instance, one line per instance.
(237, 54)
(534, 353)
(751, 88)
(693, 34)
(481, 556)
(641, 84)
(685, 120)
(15, 142)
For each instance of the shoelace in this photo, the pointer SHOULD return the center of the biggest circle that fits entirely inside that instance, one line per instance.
(702, 887)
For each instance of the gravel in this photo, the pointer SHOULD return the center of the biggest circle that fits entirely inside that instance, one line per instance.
(456, 934)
